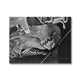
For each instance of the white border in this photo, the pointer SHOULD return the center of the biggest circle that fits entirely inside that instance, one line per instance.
(39, 8)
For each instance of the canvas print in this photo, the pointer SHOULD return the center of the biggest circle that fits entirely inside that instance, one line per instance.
(41, 40)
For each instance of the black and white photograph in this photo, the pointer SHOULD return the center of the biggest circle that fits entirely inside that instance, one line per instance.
(42, 40)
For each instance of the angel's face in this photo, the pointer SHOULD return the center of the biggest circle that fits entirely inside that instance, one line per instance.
(39, 41)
